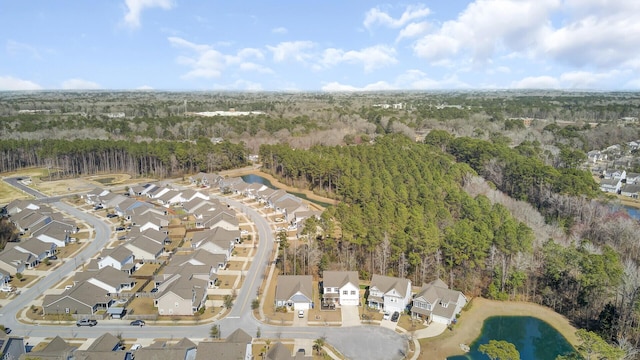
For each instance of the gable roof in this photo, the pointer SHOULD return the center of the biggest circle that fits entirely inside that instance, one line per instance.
(339, 278)
(106, 342)
(120, 253)
(388, 283)
(239, 336)
(289, 285)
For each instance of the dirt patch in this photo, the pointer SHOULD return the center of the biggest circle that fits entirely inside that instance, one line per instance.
(470, 323)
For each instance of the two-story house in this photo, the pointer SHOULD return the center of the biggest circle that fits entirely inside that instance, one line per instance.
(436, 302)
(389, 293)
(340, 288)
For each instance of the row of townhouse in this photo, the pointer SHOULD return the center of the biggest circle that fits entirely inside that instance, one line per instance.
(621, 182)
(43, 231)
(236, 346)
(165, 195)
(433, 302)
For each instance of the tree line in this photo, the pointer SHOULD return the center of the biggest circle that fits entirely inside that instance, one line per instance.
(161, 159)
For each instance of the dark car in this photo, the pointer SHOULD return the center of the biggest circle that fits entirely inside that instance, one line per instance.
(86, 322)
(395, 316)
(137, 323)
(154, 290)
(120, 228)
(98, 207)
(7, 330)
(112, 215)
(53, 257)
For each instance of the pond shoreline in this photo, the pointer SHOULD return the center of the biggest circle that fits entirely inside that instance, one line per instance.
(470, 324)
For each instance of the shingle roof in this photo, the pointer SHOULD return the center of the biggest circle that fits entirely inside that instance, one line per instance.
(289, 285)
(339, 278)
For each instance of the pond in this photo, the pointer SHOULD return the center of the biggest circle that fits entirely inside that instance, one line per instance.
(252, 178)
(633, 212)
(534, 338)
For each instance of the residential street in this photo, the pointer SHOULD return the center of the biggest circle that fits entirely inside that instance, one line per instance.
(355, 342)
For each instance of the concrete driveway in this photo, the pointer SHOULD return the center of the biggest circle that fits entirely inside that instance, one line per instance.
(300, 321)
(350, 316)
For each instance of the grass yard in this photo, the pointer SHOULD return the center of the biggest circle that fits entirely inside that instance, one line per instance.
(226, 281)
(142, 306)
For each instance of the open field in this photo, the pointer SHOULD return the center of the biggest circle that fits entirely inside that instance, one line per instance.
(470, 325)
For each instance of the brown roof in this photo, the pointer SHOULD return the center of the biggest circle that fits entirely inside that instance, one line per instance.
(289, 285)
(339, 279)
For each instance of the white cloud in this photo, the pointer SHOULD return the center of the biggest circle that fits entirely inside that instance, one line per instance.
(586, 79)
(376, 16)
(144, 87)
(337, 87)
(419, 80)
(79, 84)
(16, 48)
(135, 7)
(249, 66)
(536, 82)
(207, 62)
(371, 58)
(279, 30)
(487, 26)
(11, 83)
(240, 84)
(296, 50)
(413, 29)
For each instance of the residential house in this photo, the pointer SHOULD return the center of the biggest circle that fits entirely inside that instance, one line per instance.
(201, 257)
(205, 179)
(170, 198)
(57, 349)
(190, 195)
(611, 185)
(39, 249)
(93, 197)
(389, 293)
(294, 291)
(5, 277)
(216, 241)
(14, 261)
(143, 210)
(199, 207)
(17, 206)
(84, 298)
(436, 302)
(632, 178)
(219, 218)
(150, 220)
(146, 248)
(237, 346)
(184, 295)
(630, 190)
(108, 278)
(128, 205)
(207, 272)
(28, 219)
(119, 258)
(341, 288)
(56, 232)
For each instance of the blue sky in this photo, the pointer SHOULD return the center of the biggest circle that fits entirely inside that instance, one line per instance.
(314, 45)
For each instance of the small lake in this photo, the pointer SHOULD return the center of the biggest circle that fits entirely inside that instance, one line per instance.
(252, 179)
(534, 338)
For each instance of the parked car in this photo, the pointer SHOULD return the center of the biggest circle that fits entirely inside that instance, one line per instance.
(154, 290)
(301, 313)
(98, 207)
(395, 316)
(53, 257)
(120, 228)
(7, 330)
(386, 315)
(112, 215)
(140, 323)
(86, 322)
(6, 288)
(135, 347)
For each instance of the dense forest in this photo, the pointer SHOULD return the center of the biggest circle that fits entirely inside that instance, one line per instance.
(72, 158)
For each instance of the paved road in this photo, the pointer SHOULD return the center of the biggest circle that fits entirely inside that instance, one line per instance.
(358, 342)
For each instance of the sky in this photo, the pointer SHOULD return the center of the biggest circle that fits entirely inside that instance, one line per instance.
(319, 45)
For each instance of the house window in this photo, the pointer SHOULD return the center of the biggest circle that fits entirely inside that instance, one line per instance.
(336, 290)
(353, 292)
(345, 292)
(66, 310)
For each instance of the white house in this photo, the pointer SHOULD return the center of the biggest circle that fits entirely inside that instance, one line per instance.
(436, 302)
(341, 287)
(294, 291)
(117, 258)
(389, 293)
